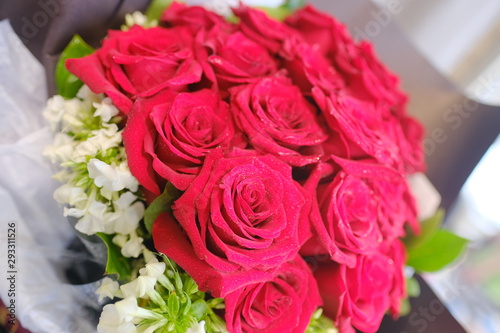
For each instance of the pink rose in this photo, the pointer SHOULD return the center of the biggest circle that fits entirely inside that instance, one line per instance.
(360, 296)
(278, 120)
(363, 205)
(241, 215)
(285, 303)
(139, 63)
(167, 136)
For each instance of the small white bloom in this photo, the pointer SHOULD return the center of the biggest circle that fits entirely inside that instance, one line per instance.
(120, 240)
(54, 111)
(197, 328)
(136, 18)
(138, 287)
(127, 309)
(94, 219)
(127, 214)
(110, 319)
(133, 247)
(72, 117)
(108, 288)
(105, 109)
(86, 94)
(110, 177)
(107, 137)
(68, 194)
(84, 149)
(61, 150)
(74, 212)
(153, 268)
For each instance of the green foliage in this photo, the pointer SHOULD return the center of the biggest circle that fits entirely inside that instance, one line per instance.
(117, 263)
(161, 204)
(320, 324)
(441, 249)
(156, 8)
(67, 83)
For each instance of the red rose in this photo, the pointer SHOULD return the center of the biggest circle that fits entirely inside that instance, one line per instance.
(363, 205)
(368, 130)
(139, 63)
(194, 17)
(237, 59)
(360, 296)
(168, 135)
(241, 216)
(278, 120)
(265, 31)
(364, 75)
(284, 304)
(308, 68)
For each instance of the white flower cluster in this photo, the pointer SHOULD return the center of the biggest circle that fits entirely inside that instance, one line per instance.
(125, 315)
(99, 189)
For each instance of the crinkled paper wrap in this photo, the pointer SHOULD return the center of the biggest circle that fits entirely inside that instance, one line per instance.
(44, 301)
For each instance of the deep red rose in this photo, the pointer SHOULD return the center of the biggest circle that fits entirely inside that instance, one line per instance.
(368, 130)
(139, 63)
(242, 215)
(364, 205)
(278, 120)
(325, 34)
(236, 59)
(360, 296)
(285, 303)
(267, 32)
(308, 68)
(194, 17)
(365, 76)
(168, 136)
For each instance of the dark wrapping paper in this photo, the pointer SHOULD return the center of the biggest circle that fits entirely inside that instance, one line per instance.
(452, 148)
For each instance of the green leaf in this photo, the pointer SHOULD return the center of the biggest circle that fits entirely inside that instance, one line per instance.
(156, 8)
(67, 83)
(442, 248)
(427, 229)
(159, 205)
(117, 263)
(277, 13)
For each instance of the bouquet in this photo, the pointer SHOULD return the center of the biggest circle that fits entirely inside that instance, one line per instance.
(247, 172)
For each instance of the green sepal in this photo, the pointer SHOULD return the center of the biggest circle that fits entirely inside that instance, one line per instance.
(156, 8)
(68, 84)
(117, 263)
(441, 249)
(159, 205)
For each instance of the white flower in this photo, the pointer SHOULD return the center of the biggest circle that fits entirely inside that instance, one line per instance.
(109, 177)
(111, 321)
(197, 328)
(127, 308)
(138, 287)
(153, 268)
(108, 288)
(133, 247)
(54, 111)
(136, 18)
(120, 240)
(61, 150)
(127, 214)
(105, 109)
(86, 94)
(101, 140)
(94, 219)
(72, 117)
(68, 194)
(74, 212)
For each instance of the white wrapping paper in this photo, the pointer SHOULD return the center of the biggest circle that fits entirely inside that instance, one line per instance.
(43, 302)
